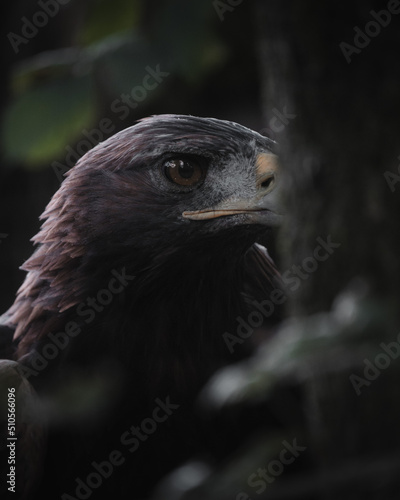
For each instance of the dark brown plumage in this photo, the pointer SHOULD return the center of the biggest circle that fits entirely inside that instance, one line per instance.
(168, 212)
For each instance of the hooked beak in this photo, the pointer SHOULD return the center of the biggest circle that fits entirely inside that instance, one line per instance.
(262, 208)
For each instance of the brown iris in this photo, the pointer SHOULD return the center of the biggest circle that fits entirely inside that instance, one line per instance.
(183, 171)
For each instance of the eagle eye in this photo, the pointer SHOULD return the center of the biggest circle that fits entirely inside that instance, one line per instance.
(184, 171)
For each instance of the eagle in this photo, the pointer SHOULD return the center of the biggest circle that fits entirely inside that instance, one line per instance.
(152, 253)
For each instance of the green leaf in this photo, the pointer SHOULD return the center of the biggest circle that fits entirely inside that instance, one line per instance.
(106, 18)
(41, 122)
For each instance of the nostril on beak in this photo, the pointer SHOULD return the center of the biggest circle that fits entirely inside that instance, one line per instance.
(266, 181)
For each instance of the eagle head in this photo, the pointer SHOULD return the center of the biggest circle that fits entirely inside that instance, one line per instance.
(173, 198)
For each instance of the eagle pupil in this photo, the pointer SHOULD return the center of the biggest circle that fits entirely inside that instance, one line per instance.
(186, 170)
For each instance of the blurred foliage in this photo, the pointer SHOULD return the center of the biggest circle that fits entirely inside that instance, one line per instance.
(106, 18)
(53, 120)
(57, 94)
(307, 346)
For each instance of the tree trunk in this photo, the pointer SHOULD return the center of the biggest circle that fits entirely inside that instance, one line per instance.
(331, 70)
